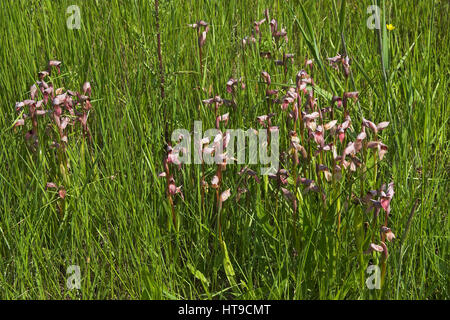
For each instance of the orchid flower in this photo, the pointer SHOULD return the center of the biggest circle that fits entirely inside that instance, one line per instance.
(387, 197)
(56, 64)
(281, 176)
(264, 120)
(343, 60)
(295, 142)
(374, 127)
(353, 163)
(374, 247)
(257, 24)
(173, 189)
(240, 192)
(318, 136)
(330, 125)
(230, 84)
(223, 118)
(337, 100)
(266, 77)
(43, 74)
(290, 97)
(326, 171)
(225, 195)
(309, 184)
(309, 63)
(248, 40)
(61, 190)
(382, 148)
(202, 37)
(249, 172)
(343, 127)
(387, 233)
(87, 88)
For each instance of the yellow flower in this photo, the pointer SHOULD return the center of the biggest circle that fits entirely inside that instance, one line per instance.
(390, 27)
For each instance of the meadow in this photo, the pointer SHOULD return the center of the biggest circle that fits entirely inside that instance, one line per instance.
(99, 187)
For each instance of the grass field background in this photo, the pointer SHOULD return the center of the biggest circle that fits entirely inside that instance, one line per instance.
(117, 223)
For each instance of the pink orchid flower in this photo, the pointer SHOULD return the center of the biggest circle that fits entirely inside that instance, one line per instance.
(388, 233)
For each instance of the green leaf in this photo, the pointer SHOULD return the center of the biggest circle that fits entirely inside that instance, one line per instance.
(311, 42)
(200, 276)
(229, 271)
(342, 17)
(385, 42)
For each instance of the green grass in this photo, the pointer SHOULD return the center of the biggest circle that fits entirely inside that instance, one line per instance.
(117, 223)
